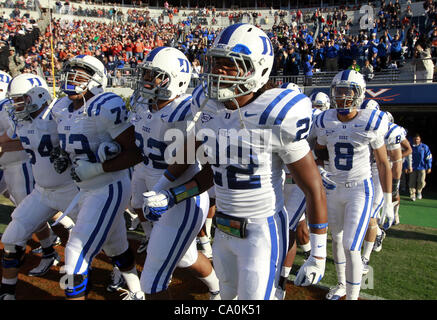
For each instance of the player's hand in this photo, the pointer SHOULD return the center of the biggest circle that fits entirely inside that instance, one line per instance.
(156, 204)
(311, 272)
(326, 179)
(387, 213)
(108, 151)
(84, 170)
(60, 159)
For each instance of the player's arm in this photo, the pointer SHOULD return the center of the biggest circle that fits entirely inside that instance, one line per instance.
(7, 144)
(385, 178)
(406, 148)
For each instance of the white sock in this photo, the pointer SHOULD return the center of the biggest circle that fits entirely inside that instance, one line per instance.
(132, 280)
(204, 240)
(339, 258)
(367, 249)
(378, 231)
(208, 225)
(11, 281)
(147, 227)
(306, 247)
(285, 271)
(67, 223)
(211, 281)
(354, 274)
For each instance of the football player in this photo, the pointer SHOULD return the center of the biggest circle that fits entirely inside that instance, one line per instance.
(99, 143)
(52, 193)
(163, 105)
(346, 136)
(249, 134)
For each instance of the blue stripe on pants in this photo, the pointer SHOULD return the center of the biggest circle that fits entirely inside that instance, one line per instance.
(363, 215)
(173, 247)
(273, 257)
(284, 237)
(26, 177)
(96, 230)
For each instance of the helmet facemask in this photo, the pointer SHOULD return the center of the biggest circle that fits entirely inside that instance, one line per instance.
(222, 87)
(351, 95)
(151, 85)
(23, 106)
(76, 79)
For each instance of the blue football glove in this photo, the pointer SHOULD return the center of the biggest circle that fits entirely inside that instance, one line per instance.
(156, 204)
(326, 179)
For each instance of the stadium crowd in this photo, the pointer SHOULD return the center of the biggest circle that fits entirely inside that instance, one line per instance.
(329, 42)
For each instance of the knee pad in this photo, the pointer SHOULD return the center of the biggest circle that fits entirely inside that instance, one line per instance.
(13, 256)
(125, 260)
(80, 286)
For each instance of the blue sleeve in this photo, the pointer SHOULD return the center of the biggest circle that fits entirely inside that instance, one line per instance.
(428, 158)
(390, 38)
(401, 39)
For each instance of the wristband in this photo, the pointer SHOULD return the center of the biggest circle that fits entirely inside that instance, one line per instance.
(162, 184)
(318, 244)
(387, 197)
(318, 225)
(181, 193)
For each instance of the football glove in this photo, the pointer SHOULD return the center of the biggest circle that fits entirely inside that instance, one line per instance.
(60, 159)
(156, 204)
(326, 179)
(311, 272)
(84, 170)
(108, 151)
(387, 212)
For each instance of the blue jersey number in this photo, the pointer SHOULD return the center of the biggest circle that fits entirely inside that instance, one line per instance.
(302, 133)
(344, 153)
(44, 148)
(84, 144)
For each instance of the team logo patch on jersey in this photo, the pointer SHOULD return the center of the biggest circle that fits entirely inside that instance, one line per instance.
(206, 117)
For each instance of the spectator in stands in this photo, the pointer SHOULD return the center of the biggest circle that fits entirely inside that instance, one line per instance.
(308, 70)
(331, 53)
(16, 64)
(424, 66)
(354, 66)
(367, 71)
(291, 64)
(421, 166)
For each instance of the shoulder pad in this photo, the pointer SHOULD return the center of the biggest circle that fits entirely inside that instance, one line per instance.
(319, 120)
(181, 110)
(279, 102)
(198, 97)
(392, 128)
(104, 100)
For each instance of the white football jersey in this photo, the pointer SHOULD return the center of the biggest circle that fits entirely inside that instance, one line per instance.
(7, 126)
(248, 163)
(150, 129)
(349, 143)
(39, 137)
(103, 118)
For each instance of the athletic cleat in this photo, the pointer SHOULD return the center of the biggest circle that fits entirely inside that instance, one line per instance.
(45, 264)
(56, 242)
(413, 198)
(365, 265)
(117, 281)
(134, 224)
(337, 292)
(378, 241)
(214, 295)
(143, 245)
(131, 295)
(7, 296)
(419, 195)
(397, 221)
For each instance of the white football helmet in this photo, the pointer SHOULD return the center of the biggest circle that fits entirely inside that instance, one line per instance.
(291, 86)
(390, 117)
(92, 77)
(370, 104)
(4, 82)
(320, 100)
(241, 47)
(29, 93)
(349, 86)
(167, 65)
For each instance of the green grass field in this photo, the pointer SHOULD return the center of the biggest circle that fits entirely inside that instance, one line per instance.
(406, 267)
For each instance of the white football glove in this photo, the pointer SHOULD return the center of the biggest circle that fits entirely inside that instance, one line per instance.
(387, 212)
(311, 272)
(108, 151)
(326, 179)
(156, 204)
(84, 170)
